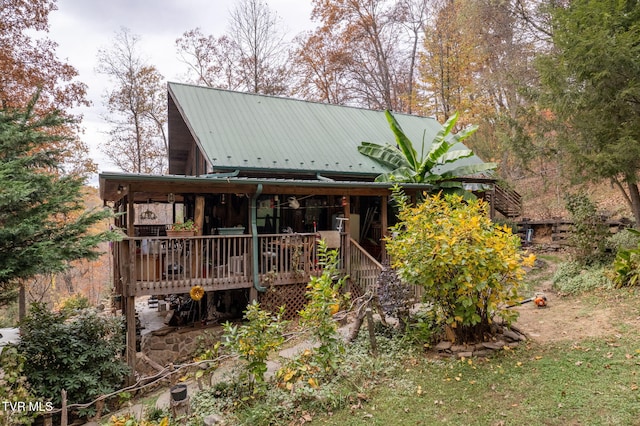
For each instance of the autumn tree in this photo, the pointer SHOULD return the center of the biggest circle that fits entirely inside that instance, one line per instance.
(88, 278)
(28, 58)
(28, 63)
(258, 39)
(252, 56)
(321, 68)
(212, 60)
(414, 20)
(452, 60)
(137, 105)
(591, 85)
(372, 35)
(43, 223)
(478, 59)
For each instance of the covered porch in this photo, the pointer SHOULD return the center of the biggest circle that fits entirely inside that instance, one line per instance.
(255, 236)
(251, 233)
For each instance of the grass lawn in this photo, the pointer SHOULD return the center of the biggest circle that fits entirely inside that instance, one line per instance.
(594, 382)
(573, 380)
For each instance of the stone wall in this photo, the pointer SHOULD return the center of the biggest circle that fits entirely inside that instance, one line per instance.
(172, 345)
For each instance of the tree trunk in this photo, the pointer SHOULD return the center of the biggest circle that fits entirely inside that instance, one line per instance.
(634, 194)
(22, 302)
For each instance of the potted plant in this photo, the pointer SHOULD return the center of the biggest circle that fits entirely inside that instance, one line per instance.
(184, 229)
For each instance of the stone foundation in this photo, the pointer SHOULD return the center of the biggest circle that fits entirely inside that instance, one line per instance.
(171, 345)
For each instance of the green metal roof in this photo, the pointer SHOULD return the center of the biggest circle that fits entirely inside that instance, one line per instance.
(256, 132)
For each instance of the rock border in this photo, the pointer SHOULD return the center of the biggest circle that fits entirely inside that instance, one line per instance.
(505, 337)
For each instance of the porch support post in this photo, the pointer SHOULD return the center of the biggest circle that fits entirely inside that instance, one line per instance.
(346, 250)
(198, 215)
(130, 315)
(255, 250)
(129, 293)
(384, 224)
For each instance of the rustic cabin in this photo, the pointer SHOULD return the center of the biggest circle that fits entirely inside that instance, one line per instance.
(263, 179)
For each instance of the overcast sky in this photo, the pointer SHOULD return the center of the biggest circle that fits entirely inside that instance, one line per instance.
(81, 27)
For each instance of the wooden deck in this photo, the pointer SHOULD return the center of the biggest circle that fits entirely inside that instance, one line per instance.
(164, 265)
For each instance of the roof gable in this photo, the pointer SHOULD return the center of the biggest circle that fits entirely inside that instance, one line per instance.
(256, 132)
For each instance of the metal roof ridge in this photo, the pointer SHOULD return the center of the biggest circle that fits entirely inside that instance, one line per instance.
(286, 98)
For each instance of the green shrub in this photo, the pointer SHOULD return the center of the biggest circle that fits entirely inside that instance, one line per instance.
(627, 265)
(625, 239)
(9, 315)
(357, 375)
(469, 267)
(324, 301)
(74, 303)
(14, 388)
(589, 232)
(575, 278)
(255, 340)
(422, 328)
(79, 353)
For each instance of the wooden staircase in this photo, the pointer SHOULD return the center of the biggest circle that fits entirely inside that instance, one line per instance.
(364, 268)
(507, 201)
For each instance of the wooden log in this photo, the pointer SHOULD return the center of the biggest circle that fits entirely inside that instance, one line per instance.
(151, 362)
(372, 333)
(356, 326)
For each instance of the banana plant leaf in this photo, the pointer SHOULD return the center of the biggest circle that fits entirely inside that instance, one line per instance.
(451, 156)
(407, 166)
(401, 174)
(386, 155)
(403, 142)
(467, 170)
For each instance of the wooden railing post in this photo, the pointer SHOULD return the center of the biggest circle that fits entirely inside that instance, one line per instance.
(63, 413)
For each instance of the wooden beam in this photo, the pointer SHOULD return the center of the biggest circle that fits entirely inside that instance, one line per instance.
(346, 205)
(198, 214)
(145, 190)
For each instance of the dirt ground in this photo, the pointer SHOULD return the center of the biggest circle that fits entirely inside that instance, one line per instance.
(573, 318)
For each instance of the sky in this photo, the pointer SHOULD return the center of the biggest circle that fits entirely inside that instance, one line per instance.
(82, 27)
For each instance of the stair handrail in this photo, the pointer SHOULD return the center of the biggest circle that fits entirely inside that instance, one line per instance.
(366, 254)
(358, 251)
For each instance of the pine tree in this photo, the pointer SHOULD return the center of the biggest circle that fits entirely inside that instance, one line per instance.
(43, 222)
(590, 82)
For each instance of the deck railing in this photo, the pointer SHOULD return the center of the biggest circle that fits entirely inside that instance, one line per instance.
(166, 265)
(286, 258)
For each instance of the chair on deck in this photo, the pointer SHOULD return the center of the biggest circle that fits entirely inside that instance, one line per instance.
(238, 265)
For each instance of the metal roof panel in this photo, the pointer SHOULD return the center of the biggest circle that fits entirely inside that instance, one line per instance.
(251, 131)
